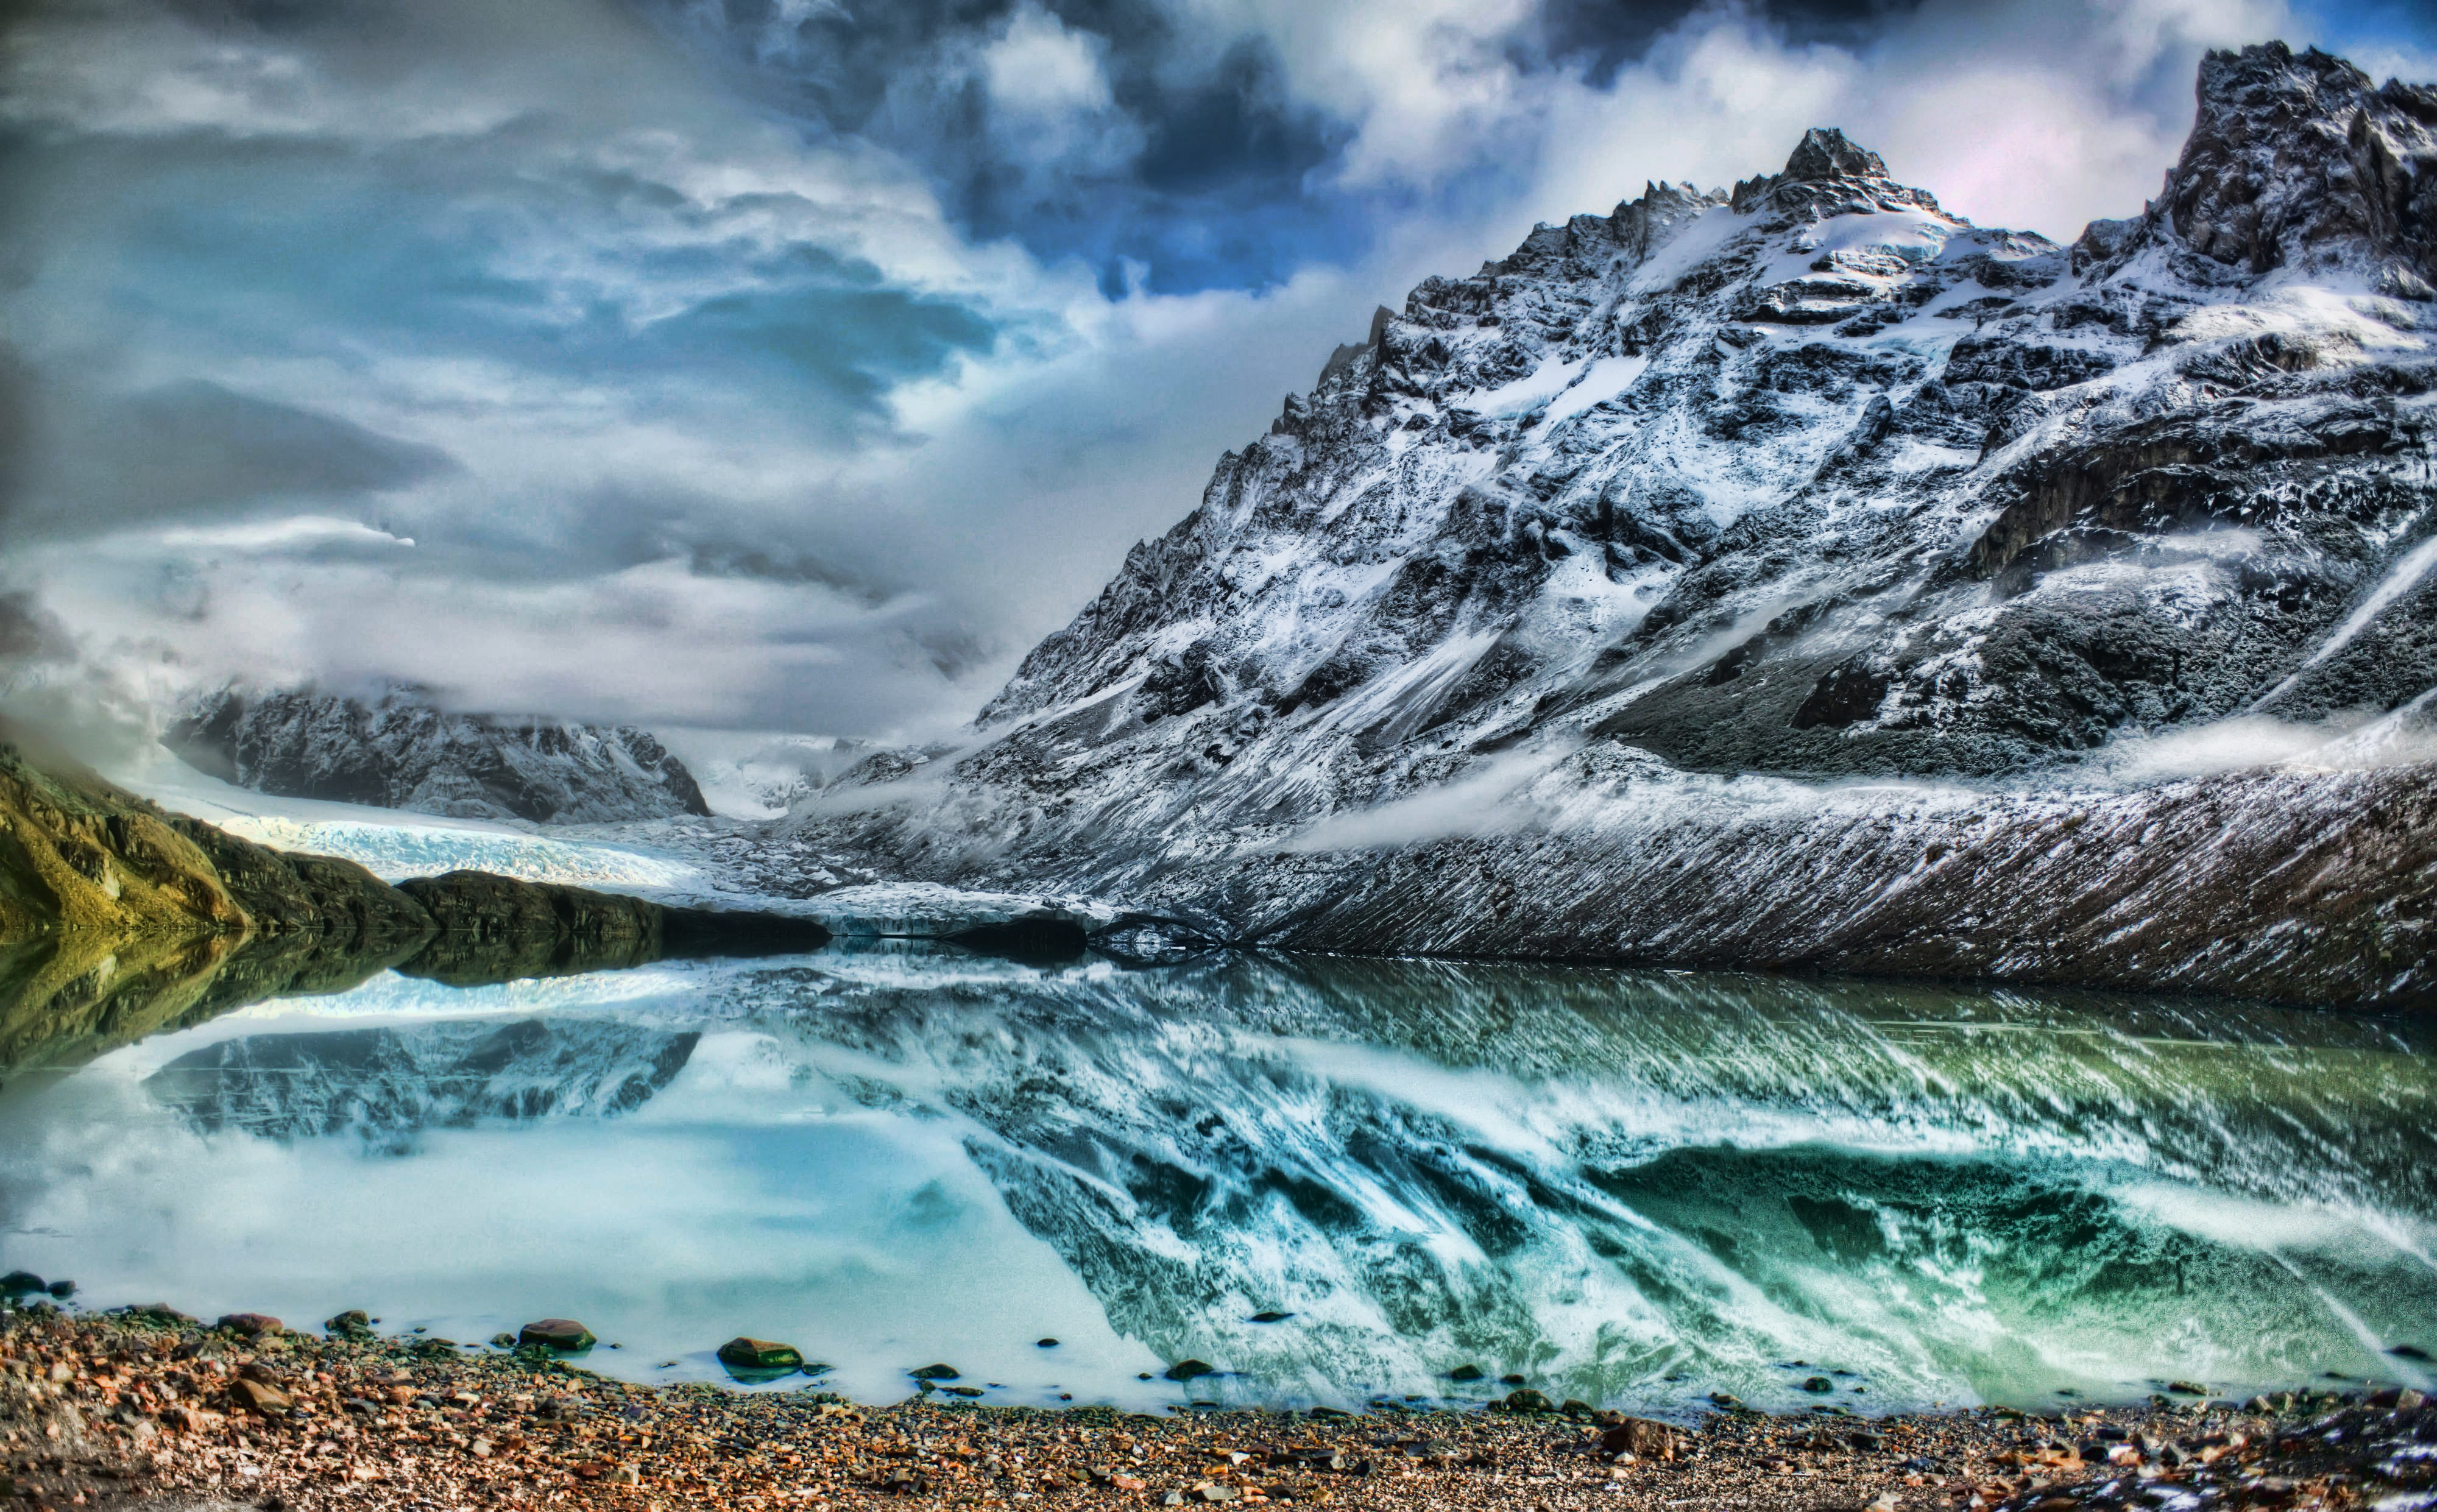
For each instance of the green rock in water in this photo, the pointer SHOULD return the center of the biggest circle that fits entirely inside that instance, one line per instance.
(1465, 1373)
(563, 1334)
(20, 1283)
(62, 1289)
(1818, 1384)
(1191, 1370)
(504, 1341)
(1271, 1317)
(936, 1373)
(1527, 1400)
(353, 1324)
(1045, 1344)
(742, 1353)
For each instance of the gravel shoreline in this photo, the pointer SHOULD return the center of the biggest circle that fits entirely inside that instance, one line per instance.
(148, 1409)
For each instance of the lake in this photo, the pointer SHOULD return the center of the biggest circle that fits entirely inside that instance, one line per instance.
(1330, 1179)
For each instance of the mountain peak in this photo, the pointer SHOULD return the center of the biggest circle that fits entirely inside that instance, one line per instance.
(2296, 160)
(1828, 153)
(1829, 174)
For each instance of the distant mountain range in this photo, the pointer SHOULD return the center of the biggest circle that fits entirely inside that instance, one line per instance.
(397, 749)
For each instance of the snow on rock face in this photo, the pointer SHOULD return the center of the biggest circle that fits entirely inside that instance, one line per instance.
(398, 751)
(2295, 162)
(1810, 478)
(389, 1084)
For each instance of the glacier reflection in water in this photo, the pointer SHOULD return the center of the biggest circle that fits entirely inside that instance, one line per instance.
(1634, 1187)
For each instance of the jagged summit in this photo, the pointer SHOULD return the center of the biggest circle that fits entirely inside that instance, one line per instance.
(2294, 161)
(1827, 154)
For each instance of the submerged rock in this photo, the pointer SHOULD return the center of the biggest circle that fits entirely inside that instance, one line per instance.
(563, 1334)
(742, 1353)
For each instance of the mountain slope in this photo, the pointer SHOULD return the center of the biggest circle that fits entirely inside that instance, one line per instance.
(1813, 480)
(400, 751)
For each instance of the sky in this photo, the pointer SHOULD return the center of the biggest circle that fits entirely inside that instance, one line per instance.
(794, 366)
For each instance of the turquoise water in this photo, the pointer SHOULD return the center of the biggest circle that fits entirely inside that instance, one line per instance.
(1630, 1187)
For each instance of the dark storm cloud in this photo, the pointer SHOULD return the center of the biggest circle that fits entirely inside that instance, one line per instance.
(1596, 38)
(427, 248)
(16, 432)
(197, 451)
(1217, 179)
(1223, 179)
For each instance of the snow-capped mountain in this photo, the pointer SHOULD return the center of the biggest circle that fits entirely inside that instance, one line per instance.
(386, 1085)
(397, 751)
(1601, 559)
(763, 776)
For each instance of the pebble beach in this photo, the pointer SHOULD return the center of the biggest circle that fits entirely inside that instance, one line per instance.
(146, 1407)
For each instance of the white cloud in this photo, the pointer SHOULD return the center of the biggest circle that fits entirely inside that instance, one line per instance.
(1037, 67)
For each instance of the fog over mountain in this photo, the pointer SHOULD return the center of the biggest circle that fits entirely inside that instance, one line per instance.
(795, 369)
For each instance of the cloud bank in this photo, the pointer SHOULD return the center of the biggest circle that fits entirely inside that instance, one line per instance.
(793, 364)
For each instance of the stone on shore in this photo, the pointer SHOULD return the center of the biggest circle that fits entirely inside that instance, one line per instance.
(563, 1334)
(743, 1353)
(261, 1396)
(1641, 1437)
(1191, 1370)
(937, 1373)
(20, 1283)
(252, 1324)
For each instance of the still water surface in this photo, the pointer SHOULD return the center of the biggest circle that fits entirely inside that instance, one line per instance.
(1630, 1187)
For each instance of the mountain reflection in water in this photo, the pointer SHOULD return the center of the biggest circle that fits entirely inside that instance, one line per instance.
(1634, 1187)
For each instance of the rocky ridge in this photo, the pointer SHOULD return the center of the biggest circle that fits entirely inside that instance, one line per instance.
(1565, 614)
(400, 751)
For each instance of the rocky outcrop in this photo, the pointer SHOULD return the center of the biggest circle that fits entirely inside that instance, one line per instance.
(119, 920)
(1801, 483)
(399, 750)
(492, 929)
(2295, 162)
